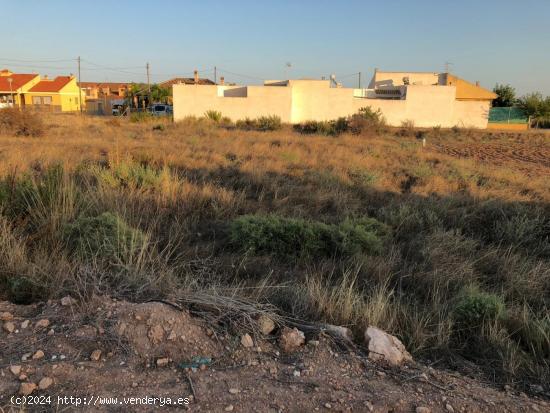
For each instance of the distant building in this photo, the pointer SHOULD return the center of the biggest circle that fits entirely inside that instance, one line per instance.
(13, 87)
(195, 80)
(426, 99)
(55, 95)
(97, 90)
(29, 91)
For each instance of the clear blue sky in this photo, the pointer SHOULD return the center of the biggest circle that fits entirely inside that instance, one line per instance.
(487, 40)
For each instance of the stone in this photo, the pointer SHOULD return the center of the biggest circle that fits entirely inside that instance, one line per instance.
(26, 356)
(266, 325)
(342, 333)
(246, 341)
(383, 346)
(26, 388)
(229, 408)
(67, 300)
(234, 391)
(25, 324)
(45, 383)
(291, 339)
(43, 323)
(6, 316)
(96, 355)
(155, 334)
(423, 409)
(328, 406)
(8, 326)
(449, 408)
(163, 361)
(15, 370)
(22, 377)
(38, 355)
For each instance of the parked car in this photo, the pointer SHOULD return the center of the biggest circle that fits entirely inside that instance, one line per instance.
(160, 109)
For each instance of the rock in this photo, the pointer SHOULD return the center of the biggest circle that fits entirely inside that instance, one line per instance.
(423, 409)
(15, 370)
(343, 333)
(26, 356)
(25, 324)
(383, 346)
(96, 355)
(6, 316)
(43, 323)
(45, 383)
(161, 362)
(247, 341)
(156, 334)
(266, 325)
(328, 406)
(234, 391)
(22, 377)
(291, 339)
(67, 300)
(38, 355)
(229, 408)
(51, 332)
(9, 327)
(449, 408)
(26, 388)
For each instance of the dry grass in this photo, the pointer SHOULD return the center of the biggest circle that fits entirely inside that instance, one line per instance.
(470, 210)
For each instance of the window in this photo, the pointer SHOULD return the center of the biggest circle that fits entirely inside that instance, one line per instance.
(41, 100)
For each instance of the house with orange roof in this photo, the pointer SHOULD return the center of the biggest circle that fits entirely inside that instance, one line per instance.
(13, 87)
(61, 94)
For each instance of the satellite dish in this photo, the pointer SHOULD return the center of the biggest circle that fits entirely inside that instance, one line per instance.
(288, 64)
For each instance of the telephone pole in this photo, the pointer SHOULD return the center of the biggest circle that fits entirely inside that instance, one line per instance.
(79, 86)
(148, 82)
(359, 80)
(215, 75)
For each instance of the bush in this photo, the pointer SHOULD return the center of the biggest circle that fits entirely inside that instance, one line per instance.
(105, 236)
(474, 307)
(137, 117)
(213, 115)
(315, 127)
(247, 124)
(269, 123)
(300, 238)
(366, 120)
(20, 123)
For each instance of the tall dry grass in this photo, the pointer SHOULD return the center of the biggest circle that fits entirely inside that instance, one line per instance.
(463, 234)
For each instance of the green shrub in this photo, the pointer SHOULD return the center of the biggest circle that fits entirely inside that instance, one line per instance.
(366, 120)
(20, 123)
(247, 124)
(474, 307)
(105, 236)
(137, 117)
(213, 115)
(300, 238)
(23, 290)
(128, 174)
(269, 123)
(314, 127)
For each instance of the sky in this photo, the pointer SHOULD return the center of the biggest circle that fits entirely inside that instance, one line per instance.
(492, 41)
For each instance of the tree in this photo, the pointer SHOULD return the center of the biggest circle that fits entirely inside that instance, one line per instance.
(534, 105)
(160, 94)
(506, 96)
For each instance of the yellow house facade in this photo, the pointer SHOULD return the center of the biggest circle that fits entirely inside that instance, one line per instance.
(13, 87)
(61, 94)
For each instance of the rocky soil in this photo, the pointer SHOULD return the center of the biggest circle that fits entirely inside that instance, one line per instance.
(107, 348)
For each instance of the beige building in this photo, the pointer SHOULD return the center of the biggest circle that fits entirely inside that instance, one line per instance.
(427, 99)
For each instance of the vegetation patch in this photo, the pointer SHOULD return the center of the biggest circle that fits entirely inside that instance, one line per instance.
(105, 237)
(20, 123)
(287, 237)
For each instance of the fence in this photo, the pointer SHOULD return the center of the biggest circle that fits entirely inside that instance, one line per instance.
(507, 115)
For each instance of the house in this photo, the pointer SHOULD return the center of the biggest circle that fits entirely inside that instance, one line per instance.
(60, 94)
(195, 80)
(97, 90)
(426, 99)
(13, 87)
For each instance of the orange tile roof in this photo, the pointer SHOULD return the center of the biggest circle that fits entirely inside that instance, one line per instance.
(103, 84)
(186, 80)
(18, 80)
(54, 85)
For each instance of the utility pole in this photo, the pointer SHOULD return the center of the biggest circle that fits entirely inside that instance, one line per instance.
(215, 75)
(359, 80)
(148, 82)
(79, 86)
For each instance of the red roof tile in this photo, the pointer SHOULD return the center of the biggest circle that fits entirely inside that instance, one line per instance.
(54, 85)
(19, 80)
(185, 80)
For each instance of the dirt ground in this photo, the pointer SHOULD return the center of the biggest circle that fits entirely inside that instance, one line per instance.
(527, 151)
(105, 353)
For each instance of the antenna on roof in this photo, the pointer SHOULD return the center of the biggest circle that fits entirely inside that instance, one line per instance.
(288, 66)
(448, 66)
